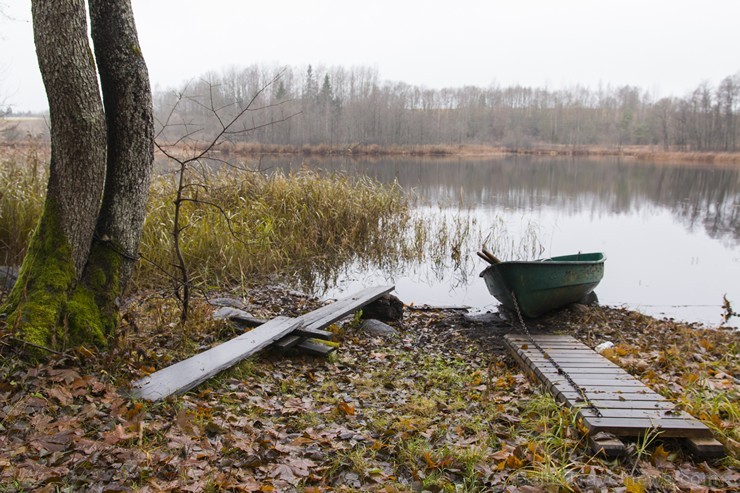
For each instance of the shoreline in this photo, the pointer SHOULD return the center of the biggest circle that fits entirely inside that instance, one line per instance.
(636, 153)
(639, 153)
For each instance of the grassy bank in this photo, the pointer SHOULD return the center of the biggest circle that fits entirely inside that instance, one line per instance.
(249, 225)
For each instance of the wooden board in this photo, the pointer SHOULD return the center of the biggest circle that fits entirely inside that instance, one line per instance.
(314, 322)
(314, 348)
(186, 374)
(319, 319)
(624, 406)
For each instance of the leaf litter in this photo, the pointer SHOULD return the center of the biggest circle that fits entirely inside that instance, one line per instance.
(440, 407)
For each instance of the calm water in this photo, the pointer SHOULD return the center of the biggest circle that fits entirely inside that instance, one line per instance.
(671, 233)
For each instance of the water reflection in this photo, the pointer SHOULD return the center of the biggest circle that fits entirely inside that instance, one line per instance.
(699, 196)
(670, 232)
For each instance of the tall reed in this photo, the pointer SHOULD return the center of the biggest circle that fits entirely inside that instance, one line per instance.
(245, 225)
(23, 178)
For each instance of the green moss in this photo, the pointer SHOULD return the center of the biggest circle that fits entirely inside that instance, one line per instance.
(48, 307)
(83, 320)
(92, 312)
(36, 302)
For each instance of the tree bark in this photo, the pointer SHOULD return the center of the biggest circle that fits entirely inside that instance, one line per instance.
(77, 122)
(128, 108)
(84, 248)
(59, 249)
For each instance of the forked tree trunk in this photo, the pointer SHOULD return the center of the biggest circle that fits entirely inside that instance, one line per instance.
(82, 254)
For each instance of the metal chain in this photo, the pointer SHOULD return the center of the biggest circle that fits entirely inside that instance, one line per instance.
(581, 391)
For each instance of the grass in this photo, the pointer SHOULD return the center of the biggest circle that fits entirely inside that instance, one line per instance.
(444, 415)
(296, 224)
(24, 176)
(243, 227)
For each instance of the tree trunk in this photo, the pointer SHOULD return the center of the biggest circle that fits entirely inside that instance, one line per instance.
(128, 109)
(59, 249)
(82, 253)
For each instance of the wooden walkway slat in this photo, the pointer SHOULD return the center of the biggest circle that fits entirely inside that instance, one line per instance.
(186, 374)
(624, 406)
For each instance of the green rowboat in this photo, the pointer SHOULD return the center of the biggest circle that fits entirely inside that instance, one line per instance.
(544, 285)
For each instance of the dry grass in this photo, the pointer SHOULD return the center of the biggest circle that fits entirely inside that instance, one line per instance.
(249, 225)
(24, 176)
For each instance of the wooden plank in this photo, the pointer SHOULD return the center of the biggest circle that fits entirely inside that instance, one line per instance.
(293, 341)
(547, 371)
(595, 394)
(323, 317)
(637, 426)
(665, 414)
(609, 446)
(707, 448)
(593, 374)
(626, 407)
(314, 322)
(540, 337)
(589, 360)
(315, 348)
(186, 374)
(288, 342)
(527, 344)
(315, 333)
(605, 405)
(607, 384)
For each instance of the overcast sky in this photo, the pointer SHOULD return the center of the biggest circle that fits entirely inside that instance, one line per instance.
(665, 46)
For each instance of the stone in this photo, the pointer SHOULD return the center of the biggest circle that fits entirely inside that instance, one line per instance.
(239, 318)
(228, 302)
(377, 328)
(387, 308)
(227, 312)
(484, 318)
(8, 276)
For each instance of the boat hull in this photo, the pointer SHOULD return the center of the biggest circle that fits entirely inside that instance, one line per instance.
(544, 285)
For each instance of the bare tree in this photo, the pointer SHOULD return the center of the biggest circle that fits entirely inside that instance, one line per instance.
(231, 124)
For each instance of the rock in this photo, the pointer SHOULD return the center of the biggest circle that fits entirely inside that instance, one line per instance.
(377, 328)
(589, 300)
(388, 308)
(484, 318)
(239, 318)
(229, 302)
(8, 276)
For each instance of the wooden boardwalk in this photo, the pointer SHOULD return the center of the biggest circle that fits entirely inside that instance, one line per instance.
(620, 405)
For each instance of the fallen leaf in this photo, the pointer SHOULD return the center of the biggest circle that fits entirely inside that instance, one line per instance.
(346, 408)
(634, 485)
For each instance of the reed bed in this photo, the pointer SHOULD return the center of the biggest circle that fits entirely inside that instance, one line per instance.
(244, 226)
(23, 176)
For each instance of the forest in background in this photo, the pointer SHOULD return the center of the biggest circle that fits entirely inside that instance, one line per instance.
(344, 107)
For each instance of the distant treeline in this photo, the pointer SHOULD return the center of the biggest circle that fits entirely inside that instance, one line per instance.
(340, 107)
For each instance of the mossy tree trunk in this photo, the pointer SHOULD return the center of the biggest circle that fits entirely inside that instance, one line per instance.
(84, 249)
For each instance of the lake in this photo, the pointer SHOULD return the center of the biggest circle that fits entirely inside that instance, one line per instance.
(671, 232)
